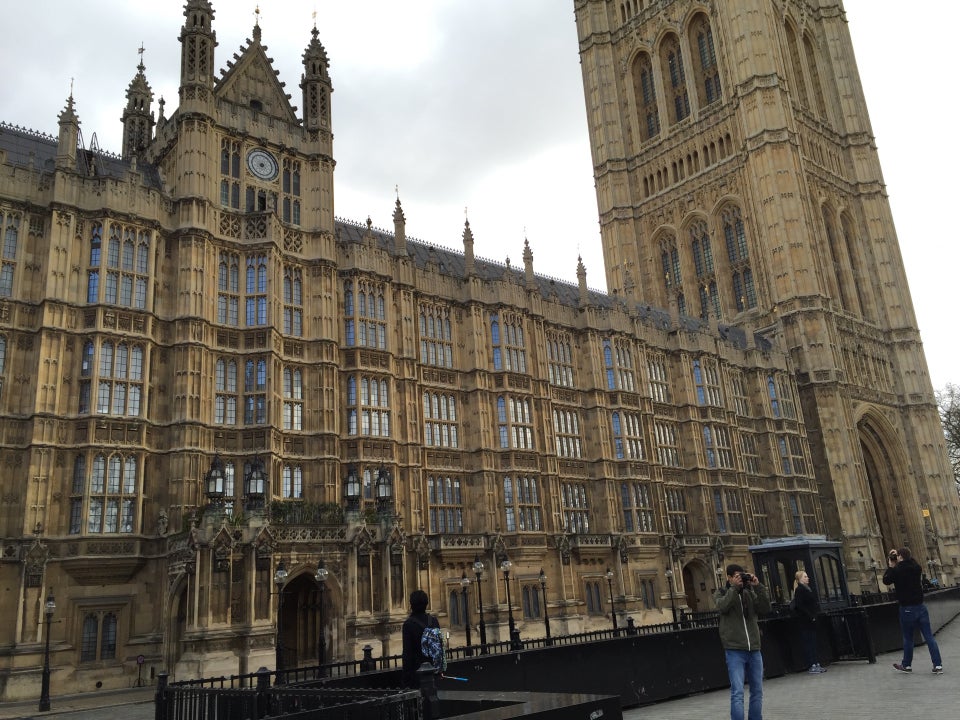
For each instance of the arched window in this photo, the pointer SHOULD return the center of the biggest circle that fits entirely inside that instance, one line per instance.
(744, 292)
(814, 71)
(705, 61)
(644, 91)
(797, 66)
(674, 78)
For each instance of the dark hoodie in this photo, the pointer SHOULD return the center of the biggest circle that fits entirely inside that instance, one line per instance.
(905, 576)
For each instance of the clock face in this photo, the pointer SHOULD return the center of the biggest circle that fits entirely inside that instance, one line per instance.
(262, 164)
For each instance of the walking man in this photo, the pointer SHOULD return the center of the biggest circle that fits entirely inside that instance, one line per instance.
(740, 603)
(903, 572)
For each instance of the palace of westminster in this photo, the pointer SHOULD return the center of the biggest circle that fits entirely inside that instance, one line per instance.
(209, 384)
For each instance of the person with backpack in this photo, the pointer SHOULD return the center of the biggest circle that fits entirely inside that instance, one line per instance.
(421, 640)
(805, 609)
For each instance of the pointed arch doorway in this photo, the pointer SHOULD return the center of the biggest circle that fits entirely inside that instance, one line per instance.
(305, 623)
(878, 450)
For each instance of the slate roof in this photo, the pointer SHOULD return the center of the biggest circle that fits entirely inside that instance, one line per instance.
(453, 263)
(26, 147)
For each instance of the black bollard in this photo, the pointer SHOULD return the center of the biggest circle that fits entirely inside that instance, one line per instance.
(160, 698)
(427, 675)
(367, 663)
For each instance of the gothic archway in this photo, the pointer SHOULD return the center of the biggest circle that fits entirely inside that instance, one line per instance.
(697, 586)
(176, 624)
(880, 452)
(300, 622)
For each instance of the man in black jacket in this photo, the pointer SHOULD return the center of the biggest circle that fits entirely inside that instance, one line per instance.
(412, 633)
(904, 574)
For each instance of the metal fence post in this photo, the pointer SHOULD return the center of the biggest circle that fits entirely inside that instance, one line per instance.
(263, 693)
(160, 698)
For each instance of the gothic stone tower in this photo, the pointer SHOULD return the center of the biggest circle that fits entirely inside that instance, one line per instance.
(737, 177)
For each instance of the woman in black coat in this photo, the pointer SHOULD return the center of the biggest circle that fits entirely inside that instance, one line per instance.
(805, 609)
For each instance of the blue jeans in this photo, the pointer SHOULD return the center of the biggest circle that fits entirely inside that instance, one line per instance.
(808, 634)
(747, 663)
(912, 617)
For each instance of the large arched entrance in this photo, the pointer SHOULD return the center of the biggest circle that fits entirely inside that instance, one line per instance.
(300, 623)
(177, 624)
(880, 467)
(698, 584)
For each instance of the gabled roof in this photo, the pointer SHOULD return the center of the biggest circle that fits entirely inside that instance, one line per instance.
(251, 76)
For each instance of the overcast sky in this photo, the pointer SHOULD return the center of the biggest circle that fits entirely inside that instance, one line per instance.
(479, 105)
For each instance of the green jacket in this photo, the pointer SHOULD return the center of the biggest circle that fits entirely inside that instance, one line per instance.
(738, 615)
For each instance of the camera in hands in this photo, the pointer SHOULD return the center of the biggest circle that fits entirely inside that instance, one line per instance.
(746, 577)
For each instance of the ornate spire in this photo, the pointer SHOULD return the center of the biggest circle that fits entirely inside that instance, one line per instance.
(137, 117)
(198, 41)
(399, 229)
(468, 268)
(69, 135)
(529, 278)
(582, 282)
(316, 84)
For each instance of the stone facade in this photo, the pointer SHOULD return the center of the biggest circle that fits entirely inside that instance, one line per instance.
(736, 173)
(206, 379)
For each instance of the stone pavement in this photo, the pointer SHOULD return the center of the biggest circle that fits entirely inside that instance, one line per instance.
(849, 690)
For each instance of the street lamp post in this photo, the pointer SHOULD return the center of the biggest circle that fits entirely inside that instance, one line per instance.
(280, 577)
(464, 586)
(546, 615)
(48, 609)
(477, 570)
(515, 643)
(321, 577)
(613, 609)
(673, 604)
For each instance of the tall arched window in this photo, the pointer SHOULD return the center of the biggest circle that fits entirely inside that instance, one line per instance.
(705, 61)
(734, 235)
(796, 65)
(674, 78)
(703, 266)
(814, 70)
(645, 95)
(670, 267)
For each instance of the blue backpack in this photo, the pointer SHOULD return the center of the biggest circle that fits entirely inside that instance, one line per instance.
(433, 646)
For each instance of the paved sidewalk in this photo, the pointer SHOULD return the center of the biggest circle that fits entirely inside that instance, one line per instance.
(849, 690)
(136, 704)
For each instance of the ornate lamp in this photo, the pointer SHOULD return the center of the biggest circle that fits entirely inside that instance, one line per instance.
(255, 484)
(351, 489)
(216, 480)
(384, 489)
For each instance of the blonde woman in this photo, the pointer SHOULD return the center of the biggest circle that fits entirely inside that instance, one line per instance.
(805, 609)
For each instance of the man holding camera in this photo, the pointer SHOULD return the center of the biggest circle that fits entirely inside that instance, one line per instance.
(740, 603)
(903, 572)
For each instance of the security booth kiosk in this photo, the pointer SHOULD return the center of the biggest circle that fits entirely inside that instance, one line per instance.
(777, 561)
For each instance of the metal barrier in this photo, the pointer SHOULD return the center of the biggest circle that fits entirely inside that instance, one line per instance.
(640, 664)
(212, 700)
